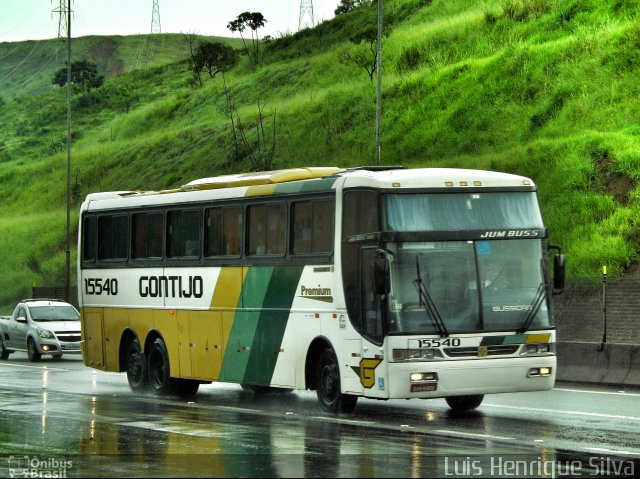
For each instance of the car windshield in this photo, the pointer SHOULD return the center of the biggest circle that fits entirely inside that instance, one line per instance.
(467, 286)
(54, 313)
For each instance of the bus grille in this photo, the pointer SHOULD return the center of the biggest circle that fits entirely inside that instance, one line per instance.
(496, 350)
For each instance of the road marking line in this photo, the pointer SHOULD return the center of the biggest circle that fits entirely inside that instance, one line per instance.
(475, 435)
(617, 393)
(43, 368)
(558, 411)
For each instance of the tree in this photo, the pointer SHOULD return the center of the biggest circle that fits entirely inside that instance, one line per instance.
(84, 76)
(365, 56)
(191, 38)
(214, 58)
(347, 6)
(254, 21)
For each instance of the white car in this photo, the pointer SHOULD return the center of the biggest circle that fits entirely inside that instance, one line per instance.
(41, 326)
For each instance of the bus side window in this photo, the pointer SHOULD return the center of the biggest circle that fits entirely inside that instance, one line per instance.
(146, 235)
(360, 214)
(267, 229)
(183, 234)
(89, 239)
(223, 231)
(312, 226)
(113, 237)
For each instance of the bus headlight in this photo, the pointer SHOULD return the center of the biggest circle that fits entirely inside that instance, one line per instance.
(427, 354)
(539, 349)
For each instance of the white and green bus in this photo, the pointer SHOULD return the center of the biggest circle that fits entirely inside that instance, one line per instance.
(378, 282)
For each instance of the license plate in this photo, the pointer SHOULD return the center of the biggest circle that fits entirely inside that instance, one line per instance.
(419, 388)
(69, 346)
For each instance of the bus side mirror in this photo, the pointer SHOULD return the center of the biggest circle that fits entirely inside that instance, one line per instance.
(558, 270)
(381, 277)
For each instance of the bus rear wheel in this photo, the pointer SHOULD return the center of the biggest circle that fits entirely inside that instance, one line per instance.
(136, 367)
(464, 403)
(328, 386)
(159, 369)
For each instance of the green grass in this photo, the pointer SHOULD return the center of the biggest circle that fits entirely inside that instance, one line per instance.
(546, 89)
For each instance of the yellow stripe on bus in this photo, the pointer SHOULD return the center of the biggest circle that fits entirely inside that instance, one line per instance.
(538, 338)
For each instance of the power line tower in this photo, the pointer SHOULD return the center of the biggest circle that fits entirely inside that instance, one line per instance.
(156, 29)
(64, 31)
(155, 18)
(306, 15)
(63, 23)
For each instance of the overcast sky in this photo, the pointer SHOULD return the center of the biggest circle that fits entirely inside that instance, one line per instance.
(35, 20)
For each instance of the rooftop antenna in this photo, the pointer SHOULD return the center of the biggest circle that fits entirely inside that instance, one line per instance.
(306, 13)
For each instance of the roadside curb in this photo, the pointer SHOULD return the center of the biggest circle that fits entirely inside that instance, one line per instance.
(598, 363)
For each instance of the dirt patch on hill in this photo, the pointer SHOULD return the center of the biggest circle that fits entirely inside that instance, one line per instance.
(105, 54)
(612, 182)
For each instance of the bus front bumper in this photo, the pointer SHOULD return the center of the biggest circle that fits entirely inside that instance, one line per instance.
(433, 379)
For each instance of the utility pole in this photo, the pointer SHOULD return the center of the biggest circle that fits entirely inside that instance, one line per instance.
(306, 9)
(379, 86)
(64, 26)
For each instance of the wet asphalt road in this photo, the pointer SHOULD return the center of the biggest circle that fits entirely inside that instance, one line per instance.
(60, 419)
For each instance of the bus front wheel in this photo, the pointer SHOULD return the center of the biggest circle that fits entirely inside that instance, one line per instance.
(158, 367)
(328, 386)
(464, 403)
(136, 367)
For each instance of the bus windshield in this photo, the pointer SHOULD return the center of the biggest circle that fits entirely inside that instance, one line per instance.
(467, 286)
(462, 211)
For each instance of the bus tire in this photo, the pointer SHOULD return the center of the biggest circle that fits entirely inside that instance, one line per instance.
(159, 369)
(464, 403)
(32, 351)
(136, 367)
(328, 386)
(186, 388)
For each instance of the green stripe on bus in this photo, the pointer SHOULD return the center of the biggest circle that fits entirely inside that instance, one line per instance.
(245, 323)
(272, 324)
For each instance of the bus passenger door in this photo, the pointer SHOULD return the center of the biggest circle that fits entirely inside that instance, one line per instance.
(373, 367)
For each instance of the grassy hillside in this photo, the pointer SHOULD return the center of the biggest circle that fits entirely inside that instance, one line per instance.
(543, 88)
(26, 68)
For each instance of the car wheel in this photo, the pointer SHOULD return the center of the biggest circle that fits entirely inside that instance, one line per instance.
(328, 386)
(32, 351)
(159, 369)
(4, 353)
(136, 367)
(464, 403)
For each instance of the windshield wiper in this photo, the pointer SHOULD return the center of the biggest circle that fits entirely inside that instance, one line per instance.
(427, 301)
(533, 311)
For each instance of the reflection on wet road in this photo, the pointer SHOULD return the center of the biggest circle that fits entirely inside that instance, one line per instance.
(58, 419)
